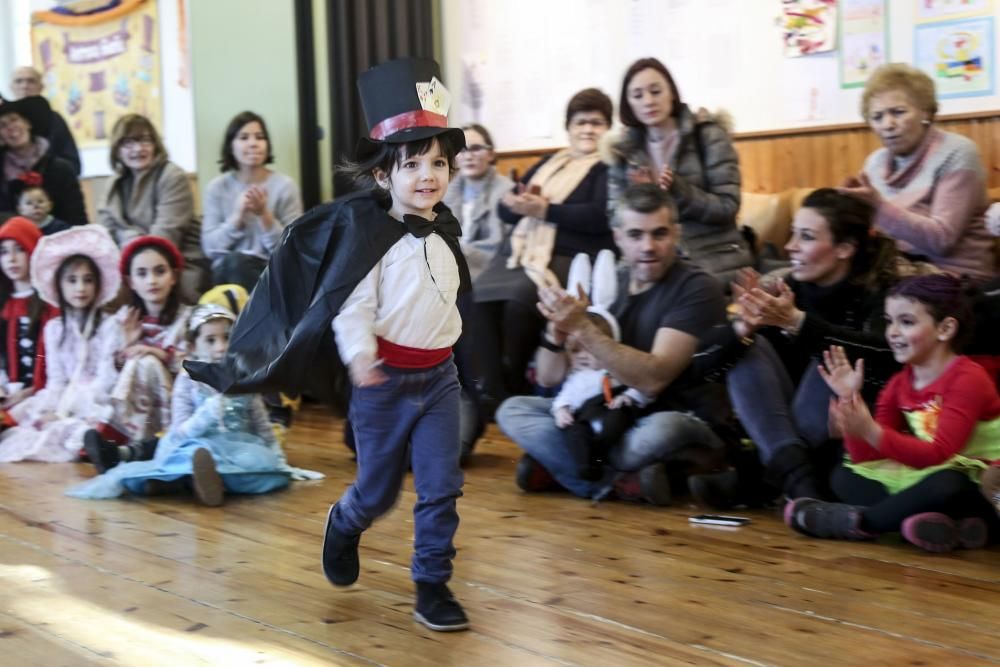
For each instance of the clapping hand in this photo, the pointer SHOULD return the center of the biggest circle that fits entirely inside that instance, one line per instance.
(567, 313)
(256, 199)
(761, 308)
(836, 370)
(851, 417)
(861, 187)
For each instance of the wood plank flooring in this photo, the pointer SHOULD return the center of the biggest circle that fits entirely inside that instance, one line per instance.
(546, 579)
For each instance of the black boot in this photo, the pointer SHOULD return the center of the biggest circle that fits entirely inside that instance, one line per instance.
(791, 470)
(102, 454)
(438, 609)
(340, 554)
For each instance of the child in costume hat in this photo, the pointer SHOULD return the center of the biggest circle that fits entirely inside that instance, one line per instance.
(380, 270)
(75, 271)
(23, 315)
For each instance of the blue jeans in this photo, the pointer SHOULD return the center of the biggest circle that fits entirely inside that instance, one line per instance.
(661, 436)
(411, 419)
(774, 412)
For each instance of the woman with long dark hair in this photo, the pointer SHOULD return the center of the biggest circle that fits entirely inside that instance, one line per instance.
(248, 206)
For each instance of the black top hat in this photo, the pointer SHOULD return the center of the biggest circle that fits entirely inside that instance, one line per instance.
(34, 109)
(404, 100)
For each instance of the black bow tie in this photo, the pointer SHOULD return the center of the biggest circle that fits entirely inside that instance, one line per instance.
(445, 225)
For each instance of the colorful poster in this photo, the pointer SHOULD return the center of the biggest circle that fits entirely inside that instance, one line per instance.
(864, 40)
(100, 66)
(958, 55)
(808, 26)
(936, 10)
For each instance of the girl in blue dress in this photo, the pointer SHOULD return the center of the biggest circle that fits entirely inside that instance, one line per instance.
(216, 444)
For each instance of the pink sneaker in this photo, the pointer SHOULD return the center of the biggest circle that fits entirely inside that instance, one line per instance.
(939, 533)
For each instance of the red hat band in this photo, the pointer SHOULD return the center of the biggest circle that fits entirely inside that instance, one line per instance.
(406, 121)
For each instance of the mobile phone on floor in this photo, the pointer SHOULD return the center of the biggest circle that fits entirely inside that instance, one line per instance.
(719, 520)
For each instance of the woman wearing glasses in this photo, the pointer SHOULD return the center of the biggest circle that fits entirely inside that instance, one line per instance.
(151, 196)
(558, 210)
(473, 196)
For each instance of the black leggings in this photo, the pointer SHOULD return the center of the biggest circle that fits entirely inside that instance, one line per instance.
(950, 492)
(507, 334)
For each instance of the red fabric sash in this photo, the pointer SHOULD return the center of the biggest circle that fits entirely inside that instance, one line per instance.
(400, 356)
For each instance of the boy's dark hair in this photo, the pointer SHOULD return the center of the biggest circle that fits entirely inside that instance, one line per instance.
(173, 300)
(66, 265)
(852, 220)
(625, 109)
(943, 296)
(227, 160)
(389, 155)
(644, 198)
(587, 100)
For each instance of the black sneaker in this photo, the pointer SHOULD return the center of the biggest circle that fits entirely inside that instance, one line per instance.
(102, 454)
(438, 609)
(340, 554)
(205, 479)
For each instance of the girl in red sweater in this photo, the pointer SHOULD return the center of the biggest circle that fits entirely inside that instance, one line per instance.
(913, 467)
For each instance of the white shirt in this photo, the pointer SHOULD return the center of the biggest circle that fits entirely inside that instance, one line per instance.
(403, 301)
(585, 383)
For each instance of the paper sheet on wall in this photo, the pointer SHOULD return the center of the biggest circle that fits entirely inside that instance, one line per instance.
(810, 84)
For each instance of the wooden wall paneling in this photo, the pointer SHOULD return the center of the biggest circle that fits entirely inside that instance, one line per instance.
(817, 157)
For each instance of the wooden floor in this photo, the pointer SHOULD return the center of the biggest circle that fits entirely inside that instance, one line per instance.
(546, 579)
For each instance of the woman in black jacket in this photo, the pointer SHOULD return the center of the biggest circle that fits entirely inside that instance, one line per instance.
(25, 155)
(834, 295)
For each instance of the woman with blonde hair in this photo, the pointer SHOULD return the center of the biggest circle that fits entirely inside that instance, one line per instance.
(928, 186)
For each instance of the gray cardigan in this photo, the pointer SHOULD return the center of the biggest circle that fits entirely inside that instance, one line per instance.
(484, 231)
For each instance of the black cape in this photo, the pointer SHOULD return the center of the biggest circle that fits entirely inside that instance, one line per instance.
(283, 339)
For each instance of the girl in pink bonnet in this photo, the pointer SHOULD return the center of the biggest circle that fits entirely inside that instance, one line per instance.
(77, 272)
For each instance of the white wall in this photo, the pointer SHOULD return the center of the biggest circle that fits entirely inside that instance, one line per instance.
(722, 53)
(178, 110)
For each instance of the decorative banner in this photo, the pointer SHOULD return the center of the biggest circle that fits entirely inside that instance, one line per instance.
(935, 10)
(100, 66)
(864, 40)
(958, 55)
(808, 26)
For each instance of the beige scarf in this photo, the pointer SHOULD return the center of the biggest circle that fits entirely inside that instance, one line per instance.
(532, 240)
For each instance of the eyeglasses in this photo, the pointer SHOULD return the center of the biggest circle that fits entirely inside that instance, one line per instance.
(586, 121)
(132, 142)
(476, 148)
